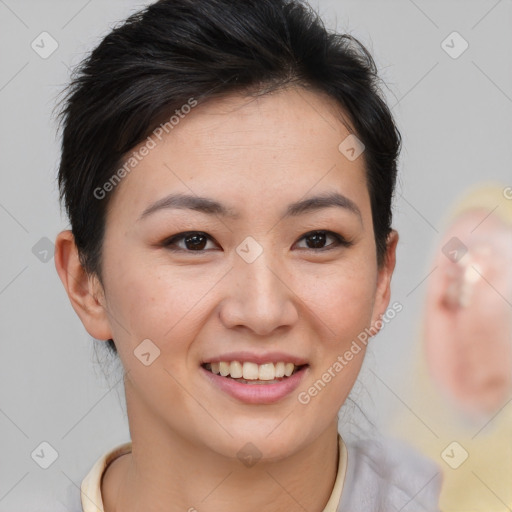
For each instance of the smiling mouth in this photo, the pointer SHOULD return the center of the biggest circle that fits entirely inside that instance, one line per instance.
(252, 373)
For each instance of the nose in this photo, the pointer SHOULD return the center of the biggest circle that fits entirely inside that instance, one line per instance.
(258, 297)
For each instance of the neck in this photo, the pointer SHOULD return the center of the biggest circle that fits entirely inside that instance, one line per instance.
(166, 472)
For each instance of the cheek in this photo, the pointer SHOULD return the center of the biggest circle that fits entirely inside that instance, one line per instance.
(345, 305)
(342, 298)
(155, 302)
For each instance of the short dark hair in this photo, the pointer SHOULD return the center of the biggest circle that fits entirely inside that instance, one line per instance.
(174, 50)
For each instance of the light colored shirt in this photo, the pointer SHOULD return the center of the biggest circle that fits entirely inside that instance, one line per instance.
(388, 475)
(371, 477)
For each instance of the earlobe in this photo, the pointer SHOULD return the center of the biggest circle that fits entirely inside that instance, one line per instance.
(84, 291)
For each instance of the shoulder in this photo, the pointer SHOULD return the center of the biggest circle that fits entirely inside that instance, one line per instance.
(88, 498)
(387, 474)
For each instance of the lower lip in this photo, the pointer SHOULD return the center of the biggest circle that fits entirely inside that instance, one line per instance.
(256, 393)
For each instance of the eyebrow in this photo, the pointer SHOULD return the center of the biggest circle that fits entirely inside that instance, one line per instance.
(212, 207)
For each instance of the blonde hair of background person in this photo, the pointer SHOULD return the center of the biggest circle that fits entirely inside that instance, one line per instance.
(461, 380)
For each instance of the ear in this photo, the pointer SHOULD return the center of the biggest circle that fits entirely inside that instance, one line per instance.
(84, 291)
(383, 292)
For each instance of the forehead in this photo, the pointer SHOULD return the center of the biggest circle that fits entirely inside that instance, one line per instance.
(249, 149)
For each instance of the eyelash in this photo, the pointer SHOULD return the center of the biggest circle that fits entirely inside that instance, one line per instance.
(340, 241)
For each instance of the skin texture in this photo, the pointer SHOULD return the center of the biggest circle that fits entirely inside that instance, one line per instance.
(255, 156)
(468, 315)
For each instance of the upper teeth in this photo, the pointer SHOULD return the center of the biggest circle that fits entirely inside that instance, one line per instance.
(252, 371)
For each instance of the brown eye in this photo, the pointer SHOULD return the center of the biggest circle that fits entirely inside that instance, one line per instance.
(193, 241)
(317, 240)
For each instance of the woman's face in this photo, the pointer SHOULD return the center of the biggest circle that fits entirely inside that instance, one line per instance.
(249, 286)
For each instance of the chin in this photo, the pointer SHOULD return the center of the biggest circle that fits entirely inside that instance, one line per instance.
(264, 442)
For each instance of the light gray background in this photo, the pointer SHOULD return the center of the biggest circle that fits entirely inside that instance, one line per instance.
(455, 116)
